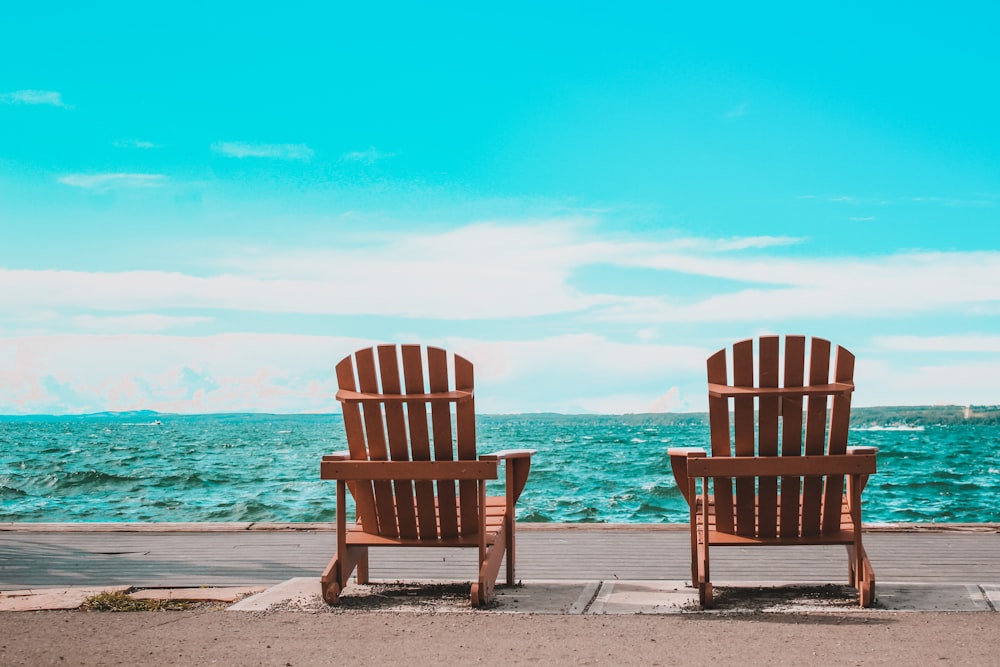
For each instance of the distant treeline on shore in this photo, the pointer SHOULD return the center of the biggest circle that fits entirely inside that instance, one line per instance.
(927, 415)
(894, 415)
(915, 415)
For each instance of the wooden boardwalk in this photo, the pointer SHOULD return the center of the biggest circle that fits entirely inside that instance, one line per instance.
(159, 555)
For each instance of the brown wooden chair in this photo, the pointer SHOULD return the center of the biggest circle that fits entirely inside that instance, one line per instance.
(787, 452)
(412, 438)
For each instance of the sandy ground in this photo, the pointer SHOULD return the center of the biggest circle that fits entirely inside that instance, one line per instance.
(211, 636)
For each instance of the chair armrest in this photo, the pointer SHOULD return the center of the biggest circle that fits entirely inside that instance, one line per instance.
(684, 451)
(337, 456)
(508, 454)
(518, 464)
(862, 450)
(678, 465)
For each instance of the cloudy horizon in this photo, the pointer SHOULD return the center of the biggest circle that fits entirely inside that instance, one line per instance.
(586, 204)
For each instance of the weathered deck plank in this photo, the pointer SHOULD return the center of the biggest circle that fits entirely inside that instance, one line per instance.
(35, 558)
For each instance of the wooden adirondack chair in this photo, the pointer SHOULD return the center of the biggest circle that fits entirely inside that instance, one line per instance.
(405, 462)
(789, 489)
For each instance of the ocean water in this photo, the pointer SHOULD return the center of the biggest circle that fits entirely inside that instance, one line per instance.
(588, 468)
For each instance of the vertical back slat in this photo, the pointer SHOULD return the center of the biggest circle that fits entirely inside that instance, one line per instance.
(420, 441)
(791, 433)
(437, 373)
(465, 433)
(375, 436)
(840, 418)
(718, 414)
(767, 436)
(816, 411)
(364, 497)
(395, 426)
(743, 416)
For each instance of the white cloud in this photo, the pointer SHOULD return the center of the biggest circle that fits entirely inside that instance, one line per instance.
(225, 373)
(976, 201)
(647, 334)
(883, 286)
(737, 112)
(294, 373)
(146, 323)
(847, 199)
(668, 402)
(698, 247)
(239, 149)
(370, 156)
(45, 97)
(486, 271)
(27, 320)
(986, 201)
(111, 181)
(430, 290)
(914, 383)
(135, 143)
(495, 271)
(961, 343)
(481, 271)
(581, 373)
(756, 242)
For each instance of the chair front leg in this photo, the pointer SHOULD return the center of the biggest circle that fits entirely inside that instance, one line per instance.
(509, 516)
(705, 581)
(693, 519)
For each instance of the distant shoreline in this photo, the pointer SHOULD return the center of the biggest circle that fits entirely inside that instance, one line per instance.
(913, 415)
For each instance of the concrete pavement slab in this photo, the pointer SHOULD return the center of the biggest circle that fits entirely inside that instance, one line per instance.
(546, 597)
(664, 597)
(296, 592)
(644, 597)
(931, 597)
(51, 599)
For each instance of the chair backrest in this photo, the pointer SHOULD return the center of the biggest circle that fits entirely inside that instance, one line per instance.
(383, 426)
(795, 407)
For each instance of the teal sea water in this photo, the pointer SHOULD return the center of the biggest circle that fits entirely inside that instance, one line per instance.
(588, 468)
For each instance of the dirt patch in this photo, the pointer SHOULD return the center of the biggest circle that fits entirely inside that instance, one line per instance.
(390, 597)
(772, 599)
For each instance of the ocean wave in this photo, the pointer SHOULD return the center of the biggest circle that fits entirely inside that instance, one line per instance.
(210, 468)
(82, 479)
(905, 428)
(536, 516)
(10, 492)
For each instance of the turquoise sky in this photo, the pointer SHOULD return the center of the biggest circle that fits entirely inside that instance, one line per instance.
(203, 206)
